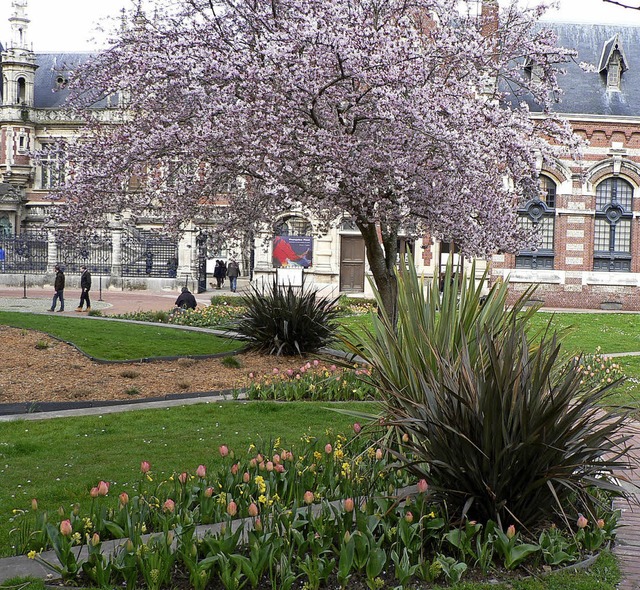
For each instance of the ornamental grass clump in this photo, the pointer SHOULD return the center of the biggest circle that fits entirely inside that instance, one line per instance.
(495, 417)
(286, 320)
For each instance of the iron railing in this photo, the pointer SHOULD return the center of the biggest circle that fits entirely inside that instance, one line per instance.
(25, 253)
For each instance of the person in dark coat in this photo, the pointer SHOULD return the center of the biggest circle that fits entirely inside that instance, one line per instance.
(186, 300)
(85, 285)
(219, 273)
(233, 271)
(58, 287)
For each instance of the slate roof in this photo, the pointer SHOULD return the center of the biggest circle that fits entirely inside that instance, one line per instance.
(51, 68)
(586, 92)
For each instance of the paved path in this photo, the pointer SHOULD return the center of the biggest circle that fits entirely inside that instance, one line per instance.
(627, 546)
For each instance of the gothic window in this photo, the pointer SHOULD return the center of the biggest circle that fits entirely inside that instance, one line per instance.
(22, 91)
(612, 232)
(292, 226)
(52, 168)
(538, 215)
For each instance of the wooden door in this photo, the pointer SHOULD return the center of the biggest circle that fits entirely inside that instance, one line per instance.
(352, 264)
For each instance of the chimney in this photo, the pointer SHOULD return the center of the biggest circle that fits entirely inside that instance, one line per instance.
(489, 17)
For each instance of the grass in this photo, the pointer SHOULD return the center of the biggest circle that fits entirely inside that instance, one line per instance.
(111, 340)
(58, 461)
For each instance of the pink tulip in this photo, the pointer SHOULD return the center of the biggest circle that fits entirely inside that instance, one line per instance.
(124, 498)
(208, 493)
(95, 540)
(348, 505)
(357, 428)
(103, 488)
(328, 449)
(232, 508)
(182, 478)
(169, 506)
(379, 454)
(259, 458)
(234, 469)
(275, 371)
(65, 528)
(34, 504)
(276, 458)
(423, 486)
(409, 517)
(600, 523)
(250, 375)
(333, 368)
(253, 463)
(253, 510)
(269, 465)
(279, 468)
(582, 521)
(290, 372)
(258, 525)
(94, 492)
(261, 466)
(316, 363)
(308, 497)
(224, 450)
(201, 472)
(145, 466)
(511, 531)
(246, 478)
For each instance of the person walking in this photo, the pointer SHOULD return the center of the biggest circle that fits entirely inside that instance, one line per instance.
(58, 287)
(85, 285)
(218, 273)
(233, 272)
(186, 300)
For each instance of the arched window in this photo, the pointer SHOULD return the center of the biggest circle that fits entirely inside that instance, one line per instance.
(539, 215)
(292, 242)
(22, 91)
(612, 234)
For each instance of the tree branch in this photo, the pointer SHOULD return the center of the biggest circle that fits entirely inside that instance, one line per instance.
(622, 4)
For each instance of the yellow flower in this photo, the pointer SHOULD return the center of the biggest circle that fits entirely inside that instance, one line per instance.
(262, 487)
(338, 454)
(317, 456)
(262, 499)
(32, 554)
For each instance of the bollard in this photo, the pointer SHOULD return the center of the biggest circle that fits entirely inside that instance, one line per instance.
(24, 286)
(100, 299)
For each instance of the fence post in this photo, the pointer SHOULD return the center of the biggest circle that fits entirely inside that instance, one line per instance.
(100, 299)
(24, 286)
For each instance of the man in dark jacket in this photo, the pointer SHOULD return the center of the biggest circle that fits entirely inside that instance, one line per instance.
(186, 300)
(85, 285)
(58, 287)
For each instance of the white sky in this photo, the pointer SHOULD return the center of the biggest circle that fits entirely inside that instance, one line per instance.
(70, 25)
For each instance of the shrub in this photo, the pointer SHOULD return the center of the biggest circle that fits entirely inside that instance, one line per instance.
(285, 320)
(42, 345)
(231, 362)
(496, 419)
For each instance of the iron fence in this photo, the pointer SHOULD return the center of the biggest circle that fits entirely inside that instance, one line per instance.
(146, 253)
(25, 253)
(95, 253)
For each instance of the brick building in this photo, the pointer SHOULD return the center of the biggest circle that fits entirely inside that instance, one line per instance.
(589, 213)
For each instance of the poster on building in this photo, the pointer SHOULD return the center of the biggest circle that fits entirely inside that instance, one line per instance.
(291, 251)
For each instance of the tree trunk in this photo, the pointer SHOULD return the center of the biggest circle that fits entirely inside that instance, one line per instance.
(381, 256)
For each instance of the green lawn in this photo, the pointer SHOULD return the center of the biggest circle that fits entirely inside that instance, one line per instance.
(112, 340)
(58, 461)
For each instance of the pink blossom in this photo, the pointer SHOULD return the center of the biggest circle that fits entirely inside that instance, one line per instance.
(582, 521)
(379, 454)
(253, 510)
(124, 498)
(250, 375)
(511, 531)
(182, 478)
(208, 492)
(145, 467)
(275, 370)
(409, 517)
(34, 504)
(224, 450)
(103, 488)
(333, 368)
(348, 505)
(94, 493)
(258, 525)
(65, 528)
(357, 428)
(95, 539)
(246, 477)
(423, 486)
(234, 469)
(290, 372)
(308, 497)
(201, 471)
(252, 463)
(600, 523)
(316, 362)
(276, 458)
(279, 468)
(328, 449)
(169, 506)
(269, 465)
(232, 508)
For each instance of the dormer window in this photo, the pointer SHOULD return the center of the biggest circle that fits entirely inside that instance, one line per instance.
(613, 63)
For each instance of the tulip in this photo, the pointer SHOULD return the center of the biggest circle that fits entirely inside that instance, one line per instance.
(95, 540)
(280, 468)
(259, 458)
(34, 504)
(276, 459)
(246, 477)
(269, 466)
(253, 509)
(182, 478)
(357, 428)
(511, 531)
(275, 370)
(328, 449)
(348, 505)
(234, 469)
(405, 438)
(582, 521)
(423, 486)
(124, 498)
(261, 466)
(379, 454)
(65, 528)
(224, 450)
(600, 523)
(208, 493)
(290, 372)
(308, 497)
(409, 517)
(94, 492)
(232, 508)
(250, 375)
(103, 488)
(201, 472)
(258, 525)
(145, 466)
(253, 463)
(169, 506)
